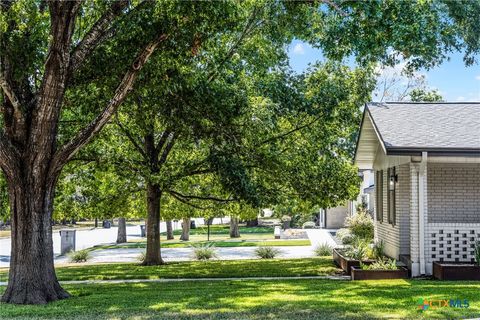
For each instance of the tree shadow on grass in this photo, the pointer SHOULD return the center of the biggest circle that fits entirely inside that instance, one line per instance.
(292, 299)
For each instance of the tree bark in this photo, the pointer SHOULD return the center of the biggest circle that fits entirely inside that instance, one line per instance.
(185, 229)
(169, 230)
(32, 278)
(153, 255)
(122, 231)
(234, 230)
(31, 159)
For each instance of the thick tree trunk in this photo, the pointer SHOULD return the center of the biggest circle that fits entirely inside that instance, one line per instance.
(153, 255)
(234, 230)
(185, 229)
(169, 230)
(122, 231)
(32, 278)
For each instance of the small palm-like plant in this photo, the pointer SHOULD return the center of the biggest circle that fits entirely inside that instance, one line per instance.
(266, 252)
(204, 252)
(79, 256)
(323, 249)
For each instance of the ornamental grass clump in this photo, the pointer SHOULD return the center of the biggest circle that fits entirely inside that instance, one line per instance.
(266, 252)
(79, 256)
(358, 250)
(323, 250)
(204, 252)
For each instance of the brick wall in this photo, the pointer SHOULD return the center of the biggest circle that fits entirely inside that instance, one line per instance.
(453, 193)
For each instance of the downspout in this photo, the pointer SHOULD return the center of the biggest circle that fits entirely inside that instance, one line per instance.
(421, 211)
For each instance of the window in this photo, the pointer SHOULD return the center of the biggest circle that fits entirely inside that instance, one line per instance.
(392, 182)
(379, 195)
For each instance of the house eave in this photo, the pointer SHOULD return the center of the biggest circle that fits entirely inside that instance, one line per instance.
(433, 151)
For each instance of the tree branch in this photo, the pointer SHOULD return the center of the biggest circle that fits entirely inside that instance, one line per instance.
(97, 33)
(86, 135)
(8, 157)
(335, 7)
(283, 135)
(161, 142)
(167, 149)
(8, 90)
(210, 198)
(131, 138)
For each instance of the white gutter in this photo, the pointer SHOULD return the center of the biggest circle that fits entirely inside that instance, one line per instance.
(421, 210)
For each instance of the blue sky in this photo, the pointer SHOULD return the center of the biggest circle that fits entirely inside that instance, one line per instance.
(454, 81)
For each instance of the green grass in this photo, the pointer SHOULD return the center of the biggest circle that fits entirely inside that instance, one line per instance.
(255, 299)
(198, 269)
(216, 243)
(224, 230)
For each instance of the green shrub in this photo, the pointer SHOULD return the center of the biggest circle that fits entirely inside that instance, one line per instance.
(308, 225)
(141, 256)
(378, 250)
(358, 251)
(204, 252)
(345, 236)
(323, 250)
(79, 256)
(382, 264)
(266, 252)
(477, 252)
(361, 225)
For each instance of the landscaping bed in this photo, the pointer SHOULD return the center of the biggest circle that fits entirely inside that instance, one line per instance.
(456, 271)
(346, 263)
(360, 274)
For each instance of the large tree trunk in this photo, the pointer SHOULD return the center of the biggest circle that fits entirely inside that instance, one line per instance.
(169, 230)
(234, 230)
(185, 229)
(122, 231)
(32, 278)
(153, 255)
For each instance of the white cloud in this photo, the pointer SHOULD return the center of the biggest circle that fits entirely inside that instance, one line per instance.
(477, 77)
(461, 98)
(299, 49)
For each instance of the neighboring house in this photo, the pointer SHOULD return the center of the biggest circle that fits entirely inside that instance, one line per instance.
(426, 159)
(333, 218)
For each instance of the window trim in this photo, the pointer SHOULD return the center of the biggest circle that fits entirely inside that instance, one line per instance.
(379, 195)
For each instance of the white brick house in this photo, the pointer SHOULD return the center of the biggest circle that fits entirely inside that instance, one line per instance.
(426, 159)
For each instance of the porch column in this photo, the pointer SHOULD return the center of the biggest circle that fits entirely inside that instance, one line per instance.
(418, 214)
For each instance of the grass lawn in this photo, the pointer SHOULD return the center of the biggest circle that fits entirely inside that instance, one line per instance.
(216, 243)
(198, 269)
(256, 299)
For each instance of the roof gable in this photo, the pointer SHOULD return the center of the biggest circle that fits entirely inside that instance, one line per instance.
(427, 126)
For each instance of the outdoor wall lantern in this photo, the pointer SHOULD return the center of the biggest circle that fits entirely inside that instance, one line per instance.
(393, 179)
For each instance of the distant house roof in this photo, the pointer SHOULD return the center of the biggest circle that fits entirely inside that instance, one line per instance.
(408, 128)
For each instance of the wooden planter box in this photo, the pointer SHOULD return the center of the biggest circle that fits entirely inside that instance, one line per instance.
(345, 263)
(456, 271)
(359, 274)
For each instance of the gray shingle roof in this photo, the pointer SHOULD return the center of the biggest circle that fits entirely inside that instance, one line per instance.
(427, 125)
